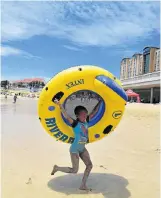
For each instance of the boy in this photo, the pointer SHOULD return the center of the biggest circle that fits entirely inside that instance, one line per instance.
(77, 149)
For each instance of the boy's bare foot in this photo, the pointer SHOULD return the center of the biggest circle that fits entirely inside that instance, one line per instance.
(85, 188)
(54, 170)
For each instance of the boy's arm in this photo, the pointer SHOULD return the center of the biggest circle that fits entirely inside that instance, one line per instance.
(94, 111)
(70, 120)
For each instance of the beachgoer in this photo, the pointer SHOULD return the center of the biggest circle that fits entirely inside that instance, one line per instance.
(77, 149)
(15, 98)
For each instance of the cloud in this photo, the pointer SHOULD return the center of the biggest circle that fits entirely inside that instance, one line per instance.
(6, 51)
(83, 23)
(10, 51)
(72, 48)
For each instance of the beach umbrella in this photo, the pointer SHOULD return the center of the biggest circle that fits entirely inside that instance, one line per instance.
(131, 93)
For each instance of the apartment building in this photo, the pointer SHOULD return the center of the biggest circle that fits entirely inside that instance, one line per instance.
(149, 59)
(139, 64)
(157, 60)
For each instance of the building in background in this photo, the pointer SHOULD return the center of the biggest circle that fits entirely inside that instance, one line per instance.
(136, 65)
(124, 68)
(157, 60)
(149, 59)
(131, 67)
(30, 84)
(141, 73)
(139, 64)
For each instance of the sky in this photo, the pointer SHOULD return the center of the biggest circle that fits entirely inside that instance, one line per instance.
(39, 39)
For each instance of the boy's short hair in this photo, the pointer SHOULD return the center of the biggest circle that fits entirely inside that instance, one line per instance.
(78, 109)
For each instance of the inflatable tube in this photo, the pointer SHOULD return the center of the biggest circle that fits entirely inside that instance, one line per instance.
(72, 87)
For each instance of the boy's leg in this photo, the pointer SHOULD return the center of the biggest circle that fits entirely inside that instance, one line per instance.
(87, 161)
(75, 165)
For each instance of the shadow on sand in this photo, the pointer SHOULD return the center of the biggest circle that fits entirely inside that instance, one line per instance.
(109, 185)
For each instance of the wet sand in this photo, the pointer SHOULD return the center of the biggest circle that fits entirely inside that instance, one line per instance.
(126, 163)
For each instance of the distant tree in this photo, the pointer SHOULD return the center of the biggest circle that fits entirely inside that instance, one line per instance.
(5, 84)
(43, 84)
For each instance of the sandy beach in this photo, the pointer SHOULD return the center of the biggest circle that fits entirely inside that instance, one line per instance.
(126, 163)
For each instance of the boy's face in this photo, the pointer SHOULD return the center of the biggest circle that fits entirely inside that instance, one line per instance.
(82, 116)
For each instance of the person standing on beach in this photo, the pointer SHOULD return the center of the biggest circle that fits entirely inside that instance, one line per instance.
(15, 98)
(77, 149)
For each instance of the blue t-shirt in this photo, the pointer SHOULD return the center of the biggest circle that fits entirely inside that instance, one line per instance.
(81, 136)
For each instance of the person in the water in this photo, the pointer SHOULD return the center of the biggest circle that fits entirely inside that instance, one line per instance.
(77, 149)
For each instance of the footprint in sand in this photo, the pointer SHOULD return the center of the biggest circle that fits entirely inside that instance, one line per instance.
(29, 181)
(158, 150)
(101, 166)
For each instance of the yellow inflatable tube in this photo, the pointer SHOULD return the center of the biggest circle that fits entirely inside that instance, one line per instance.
(75, 79)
